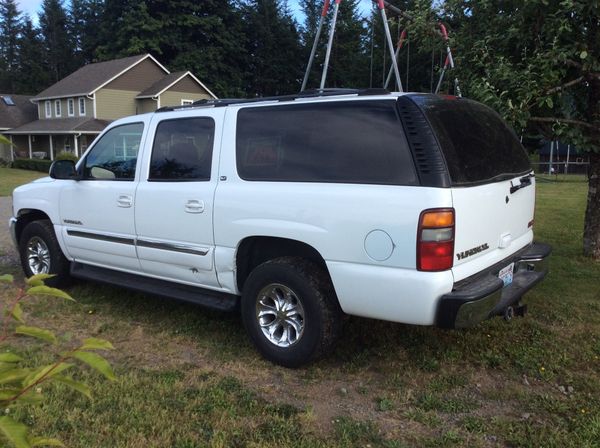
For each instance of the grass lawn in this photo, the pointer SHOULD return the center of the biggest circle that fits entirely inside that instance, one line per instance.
(189, 378)
(11, 178)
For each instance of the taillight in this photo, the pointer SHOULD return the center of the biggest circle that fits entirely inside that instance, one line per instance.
(435, 240)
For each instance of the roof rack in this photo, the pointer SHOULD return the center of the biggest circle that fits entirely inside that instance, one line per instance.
(313, 93)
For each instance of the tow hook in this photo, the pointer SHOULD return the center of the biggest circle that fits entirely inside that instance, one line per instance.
(510, 312)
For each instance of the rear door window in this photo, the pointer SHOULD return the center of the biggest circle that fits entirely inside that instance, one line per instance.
(182, 150)
(342, 142)
(477, 144)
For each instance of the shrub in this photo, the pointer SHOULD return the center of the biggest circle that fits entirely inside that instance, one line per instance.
(65, 155)
(32, 165)
(20, 386)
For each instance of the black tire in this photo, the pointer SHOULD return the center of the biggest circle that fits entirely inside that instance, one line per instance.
(58, 265)
(321, 311)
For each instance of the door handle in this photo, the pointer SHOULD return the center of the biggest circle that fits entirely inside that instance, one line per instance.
(125, 200)
(194, 206)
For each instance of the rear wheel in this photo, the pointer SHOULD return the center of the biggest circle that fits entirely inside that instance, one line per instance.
(290, 311)
(41, 254)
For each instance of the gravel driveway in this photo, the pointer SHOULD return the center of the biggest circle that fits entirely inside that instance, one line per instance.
(8, 254)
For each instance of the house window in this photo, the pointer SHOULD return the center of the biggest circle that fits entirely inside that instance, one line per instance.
(187, 102)
(71, 107)
(48, 109)
(57, 108)
(81, 107)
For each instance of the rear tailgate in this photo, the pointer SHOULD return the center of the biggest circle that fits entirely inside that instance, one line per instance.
(493, 188)
(491, 223)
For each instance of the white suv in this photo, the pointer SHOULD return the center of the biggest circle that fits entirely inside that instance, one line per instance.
(410, 208)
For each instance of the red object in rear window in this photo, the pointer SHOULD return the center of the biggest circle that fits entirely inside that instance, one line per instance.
(435, 243)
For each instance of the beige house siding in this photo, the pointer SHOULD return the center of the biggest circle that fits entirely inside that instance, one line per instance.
(187, 84)
(138, 78)
(174, 98)
(185, 89)
(146, 105)
(112, 104)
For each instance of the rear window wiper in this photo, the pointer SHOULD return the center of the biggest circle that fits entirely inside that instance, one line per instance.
(525, 182)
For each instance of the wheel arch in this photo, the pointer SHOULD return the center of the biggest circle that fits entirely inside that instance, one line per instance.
(255, 250)
(26, 216)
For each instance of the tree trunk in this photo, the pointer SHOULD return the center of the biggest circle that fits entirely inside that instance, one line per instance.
(591, 227)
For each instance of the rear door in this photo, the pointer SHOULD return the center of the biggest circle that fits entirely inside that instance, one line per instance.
(493, 188)
(174, 199)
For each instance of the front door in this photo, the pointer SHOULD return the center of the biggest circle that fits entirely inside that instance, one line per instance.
(97, 212)
(174, 201)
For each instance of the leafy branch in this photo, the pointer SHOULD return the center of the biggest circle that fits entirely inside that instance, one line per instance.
(21, 385)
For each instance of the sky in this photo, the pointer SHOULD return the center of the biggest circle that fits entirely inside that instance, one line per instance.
(32, 7)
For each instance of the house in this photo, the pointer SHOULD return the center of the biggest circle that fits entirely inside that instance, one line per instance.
(15, 110)
(72, 112)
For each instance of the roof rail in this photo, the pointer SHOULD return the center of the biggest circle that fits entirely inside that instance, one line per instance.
(313, 93)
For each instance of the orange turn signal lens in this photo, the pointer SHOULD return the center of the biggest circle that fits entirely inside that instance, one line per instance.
(437, 219)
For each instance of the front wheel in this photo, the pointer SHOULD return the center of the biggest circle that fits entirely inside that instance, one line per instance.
(41, 254)
(290, 311)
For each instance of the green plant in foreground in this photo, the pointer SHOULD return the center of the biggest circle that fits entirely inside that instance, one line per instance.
(21, 386)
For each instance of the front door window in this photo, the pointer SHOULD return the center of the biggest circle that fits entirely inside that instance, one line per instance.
(114, 156)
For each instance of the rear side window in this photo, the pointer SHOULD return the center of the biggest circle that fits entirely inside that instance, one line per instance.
(182, 150)
(344, 142)
(477, 144)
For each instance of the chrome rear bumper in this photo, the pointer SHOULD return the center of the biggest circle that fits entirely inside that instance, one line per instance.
(485, 295)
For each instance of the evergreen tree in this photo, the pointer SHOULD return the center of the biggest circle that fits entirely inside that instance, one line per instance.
(129, 28)
(209, 41)
(57, 42)
(33, 72)
(273, 46)
(84, 25)
(10, 28)
(349, 61)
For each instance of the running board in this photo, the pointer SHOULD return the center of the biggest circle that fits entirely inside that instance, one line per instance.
(199, 296)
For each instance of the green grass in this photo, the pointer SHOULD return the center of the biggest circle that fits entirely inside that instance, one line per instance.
(188, 377)
(11, 178)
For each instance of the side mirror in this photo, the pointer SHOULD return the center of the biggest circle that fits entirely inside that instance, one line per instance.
(63, 169)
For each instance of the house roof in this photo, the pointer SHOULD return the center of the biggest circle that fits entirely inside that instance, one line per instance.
(12, 116)
(62, 126)
(92, 77)
(169, 80)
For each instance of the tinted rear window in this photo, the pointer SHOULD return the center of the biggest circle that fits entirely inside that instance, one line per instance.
(345, 142)
(477, 144)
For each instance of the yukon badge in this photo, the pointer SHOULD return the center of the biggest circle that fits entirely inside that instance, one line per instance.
(72, 221)
(475, 250)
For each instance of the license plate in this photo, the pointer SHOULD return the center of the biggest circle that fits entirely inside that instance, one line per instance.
(506, 274)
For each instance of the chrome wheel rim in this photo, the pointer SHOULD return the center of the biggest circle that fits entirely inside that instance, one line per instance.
(38, 256)
(280, 315)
